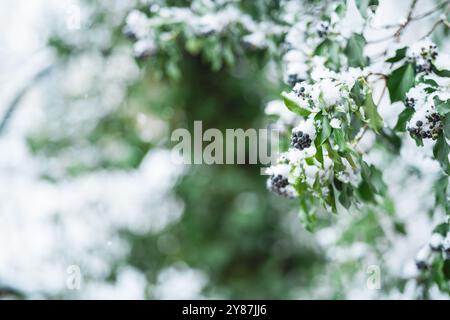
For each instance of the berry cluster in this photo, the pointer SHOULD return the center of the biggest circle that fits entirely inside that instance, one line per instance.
(301, 92)
(144, 48)
(322, 29)
(423, 66)
(435, 121)
(422, 265)
(300, 140)
(446, 248)
(424, 58)
(438, 244)
(410, 102)
(431, 130)
(430, 52)
(277, 183)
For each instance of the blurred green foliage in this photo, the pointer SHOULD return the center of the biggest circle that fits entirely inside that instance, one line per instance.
(231, 227)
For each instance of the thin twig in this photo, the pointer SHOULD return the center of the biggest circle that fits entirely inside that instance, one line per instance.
(418, 17)
(381, 75)
(435, 25)
(381, 39)
(401, 26)
(407, 21)
(382, 94)
(16, 101)
(387, 26)
(426, 14)
(360, 134)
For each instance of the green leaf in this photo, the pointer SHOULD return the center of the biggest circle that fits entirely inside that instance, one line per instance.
(330, 50)
(355, 51)
(429, 90)
(440, 189)
(326, 130)
(365, 189)
(364, 5)
(430, 82)
(403, 118)
(334, 156)
(345, 196)
(307, 214)
(339, 139)
(365, 170)
(323, 48)
(442, 107)
(365, 192)
(400, 228)
(446, 272)
(331, 199)
(357, 93)
(300, 187)
(373, 180)
(293, 106)
(437, 274)
(419, 141)
(350, 160)
(440, 151)
(376, 181)
(340, 9)
(400, 81)
(442, 228)
(334, 55)
(447, 126)
(399, 55)
(441, 73)
(319, 153)
(370, 110)
(355, 126)
(390, 140)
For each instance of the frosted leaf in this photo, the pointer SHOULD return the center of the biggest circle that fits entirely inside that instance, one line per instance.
(349, 175)
(350, 76)
(330, 92)
(281, 169)
(418, 94)
(436, 241)
(137, 24)
(277, 108)
(335, 123)
(144, 48)
(307, 127)
(311, 174)
(256, 40)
